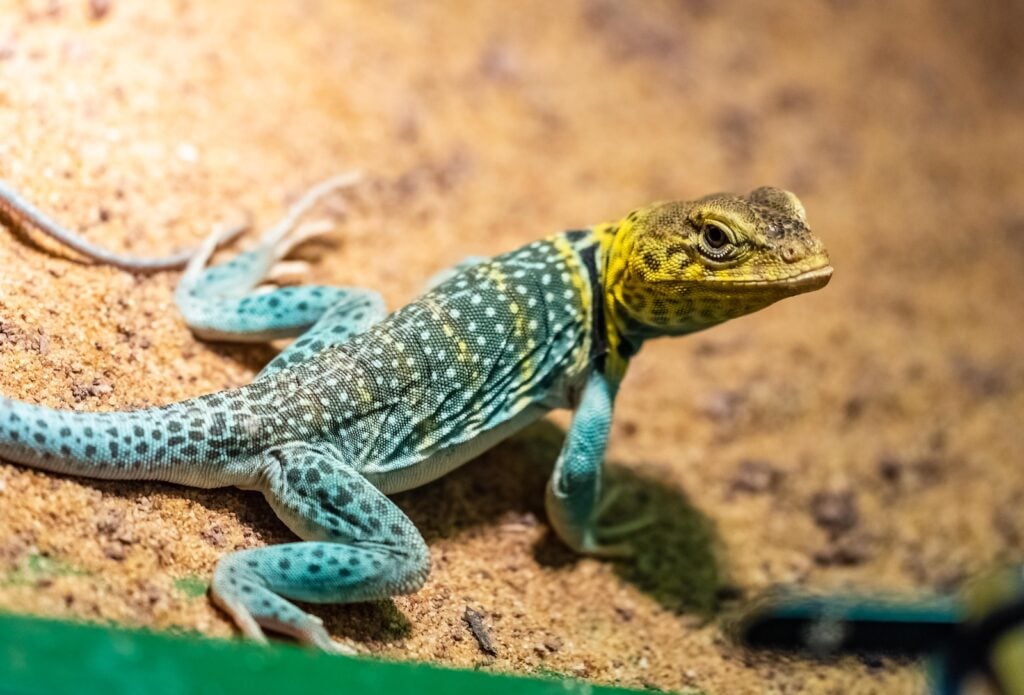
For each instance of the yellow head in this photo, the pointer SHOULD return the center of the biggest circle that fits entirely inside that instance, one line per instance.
(674, 268)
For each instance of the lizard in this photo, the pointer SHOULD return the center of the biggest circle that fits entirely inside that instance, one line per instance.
(366, 403)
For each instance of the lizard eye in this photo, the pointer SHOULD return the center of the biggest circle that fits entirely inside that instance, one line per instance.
(714, 237)
(716, 241)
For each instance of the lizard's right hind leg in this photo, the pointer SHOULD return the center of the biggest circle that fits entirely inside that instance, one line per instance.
(230, 302)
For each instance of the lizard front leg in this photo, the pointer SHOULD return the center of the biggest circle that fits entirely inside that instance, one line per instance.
(573, 500)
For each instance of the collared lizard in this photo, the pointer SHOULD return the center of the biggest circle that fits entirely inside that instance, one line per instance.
(365, 403)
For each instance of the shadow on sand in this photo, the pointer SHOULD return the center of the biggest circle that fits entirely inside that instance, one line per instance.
(675, 561)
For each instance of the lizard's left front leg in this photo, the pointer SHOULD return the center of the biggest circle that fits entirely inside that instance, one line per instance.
(574, 502)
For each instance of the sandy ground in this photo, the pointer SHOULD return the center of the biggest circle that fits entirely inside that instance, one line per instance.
(866, 435)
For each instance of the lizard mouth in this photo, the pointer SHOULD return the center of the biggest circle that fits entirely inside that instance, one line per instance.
(804, 282)
(810, 279)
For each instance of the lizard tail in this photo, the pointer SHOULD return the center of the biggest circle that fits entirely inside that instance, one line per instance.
(209, 441)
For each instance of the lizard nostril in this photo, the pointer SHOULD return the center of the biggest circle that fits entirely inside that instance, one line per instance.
(791, 254)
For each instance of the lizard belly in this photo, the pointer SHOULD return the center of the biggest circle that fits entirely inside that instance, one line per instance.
(408, 475)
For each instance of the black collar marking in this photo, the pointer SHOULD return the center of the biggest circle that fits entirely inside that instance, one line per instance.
(599, 332)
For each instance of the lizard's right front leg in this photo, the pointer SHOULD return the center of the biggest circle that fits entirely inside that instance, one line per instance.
(574, 494)
(363, 547)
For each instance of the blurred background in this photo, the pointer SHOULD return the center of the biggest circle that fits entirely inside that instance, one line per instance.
(867, 435)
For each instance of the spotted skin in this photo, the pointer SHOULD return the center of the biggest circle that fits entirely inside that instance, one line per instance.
(361, 546)
(355, 311)
(366, 404)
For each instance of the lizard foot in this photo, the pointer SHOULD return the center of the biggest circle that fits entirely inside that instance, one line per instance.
(313, 634)
(307, 231)
(288, 233)
(625, 528)
(595, 540)
(594, 537)
(242, 618)
(293, 271)
(253, 607)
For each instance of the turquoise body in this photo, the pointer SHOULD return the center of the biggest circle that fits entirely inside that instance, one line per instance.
(362, 404)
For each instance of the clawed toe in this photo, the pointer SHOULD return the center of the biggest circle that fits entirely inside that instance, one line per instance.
(611, 496)
(287, 271)
(224, 235)
(307, 629)
(242, 617)
(626, 527)
(319, 638)
(336, 647)
(315, 635)
(612, 550)
(596, 541)
(284, 233)
(301, 234)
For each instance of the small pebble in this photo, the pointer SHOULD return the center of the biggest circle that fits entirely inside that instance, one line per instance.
(756, 476)
(836, 512)
(475, 621)
(114, 551)
(845, 551)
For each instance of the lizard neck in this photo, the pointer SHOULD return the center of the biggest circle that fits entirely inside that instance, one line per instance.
(635, 314)
(613, 243)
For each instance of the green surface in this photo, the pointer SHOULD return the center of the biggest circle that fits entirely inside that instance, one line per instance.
(44, 656)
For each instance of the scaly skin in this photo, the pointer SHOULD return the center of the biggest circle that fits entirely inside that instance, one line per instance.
(365, 404)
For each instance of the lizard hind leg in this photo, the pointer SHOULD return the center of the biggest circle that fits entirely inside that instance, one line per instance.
(360, 546)
(230, 301)
(357, 311)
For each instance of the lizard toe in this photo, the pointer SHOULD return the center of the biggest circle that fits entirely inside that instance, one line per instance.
(626, 528)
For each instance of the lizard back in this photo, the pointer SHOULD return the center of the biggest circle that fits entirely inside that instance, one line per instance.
(466, 364)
